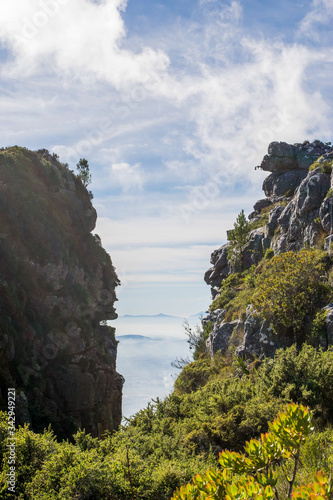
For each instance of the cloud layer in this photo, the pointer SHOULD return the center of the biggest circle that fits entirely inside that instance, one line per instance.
(172, 121)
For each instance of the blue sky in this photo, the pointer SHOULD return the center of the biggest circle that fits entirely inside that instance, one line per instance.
(173, 103)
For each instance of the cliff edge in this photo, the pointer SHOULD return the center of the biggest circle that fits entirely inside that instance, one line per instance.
(296, 214)
(57, 288)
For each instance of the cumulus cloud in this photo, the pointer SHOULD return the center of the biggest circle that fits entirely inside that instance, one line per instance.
(241, 108)
(128, 176)
(81, 38)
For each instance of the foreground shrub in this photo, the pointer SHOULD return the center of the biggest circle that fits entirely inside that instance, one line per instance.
(253, 474)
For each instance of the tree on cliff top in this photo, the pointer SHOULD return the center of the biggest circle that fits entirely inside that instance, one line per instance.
(84, 171)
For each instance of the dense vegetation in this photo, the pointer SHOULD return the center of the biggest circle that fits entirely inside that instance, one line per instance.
(288, 290)
(215, 406)
(255, 474)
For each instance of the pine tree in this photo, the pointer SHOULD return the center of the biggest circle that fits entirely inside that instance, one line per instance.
(237, 238)
(84, 171)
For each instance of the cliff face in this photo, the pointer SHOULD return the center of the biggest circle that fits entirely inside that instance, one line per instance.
(296, 213)
(57, 284)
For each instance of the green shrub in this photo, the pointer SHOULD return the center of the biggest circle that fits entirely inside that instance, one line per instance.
(253, 474)
(290, 288)
(325, 165)
(269, 254)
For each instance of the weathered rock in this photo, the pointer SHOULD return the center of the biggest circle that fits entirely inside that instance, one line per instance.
(220, 270)
(259, 338)
(329, 325)
(260, 204)
(255, 249)
(283, 183)
(326, 214)
(56, 285)
(216, 317)
(218, 340)
(282, 156)
(300, 221)
(308, 152)
(272, 223)
(328, 243)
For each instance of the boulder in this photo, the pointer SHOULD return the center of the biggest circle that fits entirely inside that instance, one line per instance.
(256, 247)
(308, 152)
(220, 270)
(283, 183)
(218, 340)
(282, 156)
(259, 338)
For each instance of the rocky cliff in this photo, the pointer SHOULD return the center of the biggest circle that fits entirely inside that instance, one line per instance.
(57, 288)
(296, 213)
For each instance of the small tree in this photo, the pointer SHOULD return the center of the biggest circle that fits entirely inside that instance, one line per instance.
(237, 238)
(84, 171)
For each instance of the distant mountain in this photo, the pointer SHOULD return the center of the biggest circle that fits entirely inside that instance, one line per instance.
(150, 316)
(133, 337)
(198, 315)
(161, 315)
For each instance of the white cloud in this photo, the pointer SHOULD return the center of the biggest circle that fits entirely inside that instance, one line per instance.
(128, 176)
(81, 38)
(321, 14)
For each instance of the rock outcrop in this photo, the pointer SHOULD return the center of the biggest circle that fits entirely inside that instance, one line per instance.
(297, 212)
(57, 289)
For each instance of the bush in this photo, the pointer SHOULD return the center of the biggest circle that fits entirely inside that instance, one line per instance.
(325, 165)
(253, 474)
(290, 288)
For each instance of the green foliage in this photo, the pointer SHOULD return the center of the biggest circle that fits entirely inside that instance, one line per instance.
(318, 329)
(215, 406)
(325, 165)
(264, 213)
(197, 337)
(236, 294)
(237, 238)
(269, 254)
(289, 288)
(195, 375)
(228, 291)
(253, 474)
(84, 171)
(329, 193)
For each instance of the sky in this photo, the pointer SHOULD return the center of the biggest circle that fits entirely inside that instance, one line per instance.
(173, 103)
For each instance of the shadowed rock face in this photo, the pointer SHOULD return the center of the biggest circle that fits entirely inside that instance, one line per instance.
(57, 284)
